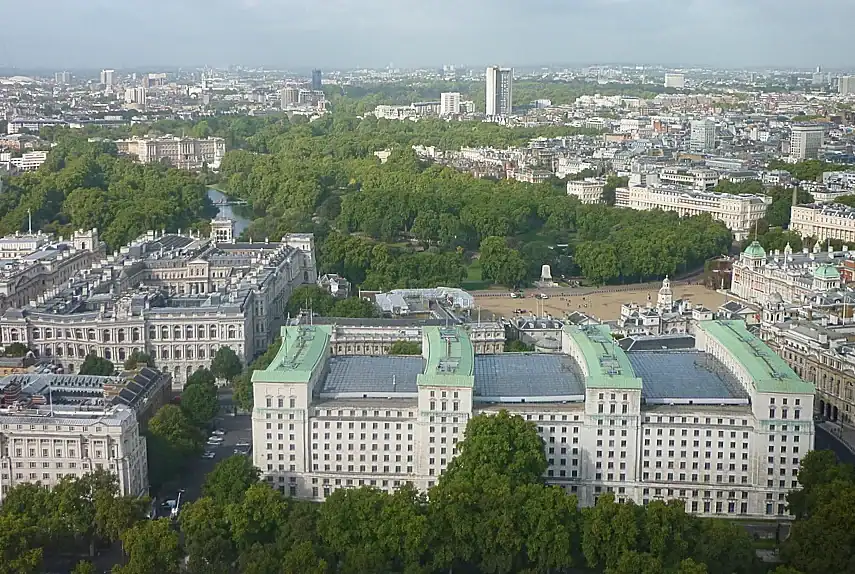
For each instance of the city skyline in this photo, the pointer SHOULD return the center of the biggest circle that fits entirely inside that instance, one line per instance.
(372, 34)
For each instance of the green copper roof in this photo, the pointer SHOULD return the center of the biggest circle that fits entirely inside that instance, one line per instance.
(606, 366)
(303, 350)
(449, 356)
(769, 371)
(826, 272)
(755, 250)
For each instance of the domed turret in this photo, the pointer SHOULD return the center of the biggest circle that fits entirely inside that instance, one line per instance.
(755, 250)
(666, 296)
(825, 277)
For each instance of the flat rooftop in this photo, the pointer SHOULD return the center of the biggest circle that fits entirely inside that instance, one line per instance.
(361, 376)
(686, 377)
(518, 377)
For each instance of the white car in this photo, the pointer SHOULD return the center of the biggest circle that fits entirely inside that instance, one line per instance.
(242, 443)
(215, 438)
(209, 454)
(219, 433)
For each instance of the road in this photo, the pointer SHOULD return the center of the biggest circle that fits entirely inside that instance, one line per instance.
(238, 429)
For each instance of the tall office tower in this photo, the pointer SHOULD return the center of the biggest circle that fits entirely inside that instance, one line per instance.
(317, 85)
(846, 85)
(108, 77)
(62, 78)
(702, 138)
(449, 103)
(290, 97)
(675, 81)
(500, 91)
(805, 141)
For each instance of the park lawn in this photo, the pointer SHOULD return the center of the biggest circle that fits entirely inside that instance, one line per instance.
(473, 280)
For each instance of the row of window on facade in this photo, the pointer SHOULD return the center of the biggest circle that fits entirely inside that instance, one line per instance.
(189, 332)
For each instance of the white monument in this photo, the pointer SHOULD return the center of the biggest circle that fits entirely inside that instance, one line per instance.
(546, 274)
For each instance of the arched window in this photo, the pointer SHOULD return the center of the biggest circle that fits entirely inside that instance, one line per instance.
(90, 334)
(48, 351)
(120, 335)
(189, 371)
(48, 333)
(232, 332)
(176, 331)
(189, 352)
(122, 356)
(106, 336)
(135, 334)
(201, 331)
(37, 334)
(201, 353)
(213, 331)
(78, 334)
(164, 353)
(164, 333)
(152, 333)
(13, 335)
(108, 354)
(70, 350)
(189, 332)
(177, 352)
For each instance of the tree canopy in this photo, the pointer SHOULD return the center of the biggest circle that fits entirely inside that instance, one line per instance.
(95, 365)
(85, 185)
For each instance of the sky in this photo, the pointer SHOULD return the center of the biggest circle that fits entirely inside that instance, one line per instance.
(74, 34)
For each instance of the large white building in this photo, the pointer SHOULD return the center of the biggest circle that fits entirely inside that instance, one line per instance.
(108, 77)
(738, 212)
(53, 426)
(675, 81)
(702, 136)
(388, 112)
(698, 178)
(805, 141)
(588, 190)
(792, 276)
(177, 297)
(29, 161)
(500, 91)
(181, 152)
(17, 125)
(718, 421)
(35, 263)
(846, 85)
(822, 221)
(449, 103)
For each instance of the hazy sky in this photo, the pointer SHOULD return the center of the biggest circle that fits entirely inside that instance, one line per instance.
(348, 33)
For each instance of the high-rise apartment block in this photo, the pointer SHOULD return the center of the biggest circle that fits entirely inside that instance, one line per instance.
(317, 84)
(108, 77)
(500, 89)
(675, 81)
(805, 141)
(290, 97)
(449, 103)
(702, 138)
(136, 96)
(62, 78)
(846, 85)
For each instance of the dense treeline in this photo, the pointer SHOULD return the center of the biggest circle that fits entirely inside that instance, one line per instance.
(404, 223)
(489, 512)
(73, 518)
(84, 185)
(405, 203)
(358, 99)
(808, 170)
